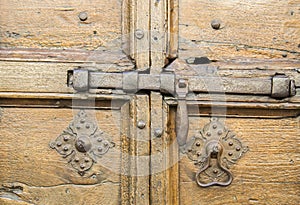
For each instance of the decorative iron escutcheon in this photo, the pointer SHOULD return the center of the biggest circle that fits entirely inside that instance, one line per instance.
(82, 142)
(214, 149)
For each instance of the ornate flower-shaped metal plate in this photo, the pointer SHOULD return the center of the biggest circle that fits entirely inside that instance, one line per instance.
(83, 142)
(214, 149)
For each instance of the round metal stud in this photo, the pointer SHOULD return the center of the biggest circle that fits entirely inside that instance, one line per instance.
(220, 132)
(99, 140)
(157, 132)
(230, 154)
(215, 126)
(83, 144)
(189, 150)
(208, 134)
(215, 24)
(230, 143)
(86, 159)
(87, 126)
(76, 159)
(83, 16)
(215, 171)
(238, 149)
(100, 149)
(198, 154)
(66, 149)
(82, 121)
(82, 166)
(198, 144)
(105, 144)
(66, 138)
(139, 34)
(58, 143)
(141, 124)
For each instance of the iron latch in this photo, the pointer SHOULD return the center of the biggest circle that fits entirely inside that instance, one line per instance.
(277, 86)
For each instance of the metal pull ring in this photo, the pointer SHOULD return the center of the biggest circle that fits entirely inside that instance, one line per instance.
(212, 167)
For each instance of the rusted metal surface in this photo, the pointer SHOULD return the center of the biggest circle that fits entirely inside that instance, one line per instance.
(82, 142)
(214, 149)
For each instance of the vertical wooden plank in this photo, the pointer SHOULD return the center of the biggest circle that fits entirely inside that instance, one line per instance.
(141, 33)
(125, 160)
(173, 28)
(131, 36)
(158, 34)
(172, 161)
(158, 151)
(140, 150)
(126, 21)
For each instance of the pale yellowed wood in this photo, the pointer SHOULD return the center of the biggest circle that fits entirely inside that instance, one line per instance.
(142, 45)
(159, 151)
(106, 193)
(42, 76)
(108, 60)
(142, 150)
(125, 154)
(173, 26)
(34, 77)
(173, 174)
(158, 32)
(28, 158)
(247, 193)
(41, 24)
(259, 29)
(270, 166)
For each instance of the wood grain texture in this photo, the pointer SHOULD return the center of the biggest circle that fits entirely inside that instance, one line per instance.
(35, 77)
(159, 151)
(55, 23)
(139, 150)
(270, 166)
(158, 29)
(142, 25)
(50, 77)
(28, 159)
(19, 193)
(173, 26)
(249, 29)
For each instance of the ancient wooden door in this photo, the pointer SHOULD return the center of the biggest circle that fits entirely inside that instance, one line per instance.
(149, 102)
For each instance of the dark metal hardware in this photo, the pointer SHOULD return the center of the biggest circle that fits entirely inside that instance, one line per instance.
(214, 150)
(278, 86)
(82, 142)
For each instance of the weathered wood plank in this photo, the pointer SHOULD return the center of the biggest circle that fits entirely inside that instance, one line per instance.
(173, 28)
(139, 150)
(44, 76)
(28, 158)
(260, 29)
(23, 194)
(105, 57)
(37, 24)
(142, 34)
(159, 151)
(173, 174)
(142, 157)
(158, 32)
(35, 77)
(247, 193)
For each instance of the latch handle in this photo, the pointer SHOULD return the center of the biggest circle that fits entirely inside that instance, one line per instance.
(182, 120)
